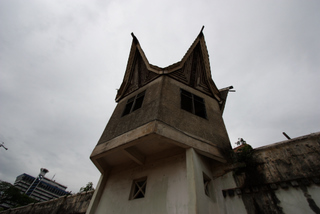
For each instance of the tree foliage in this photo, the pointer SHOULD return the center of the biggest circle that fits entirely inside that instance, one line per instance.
(12, 196)
(87, 188)
(243, 152)
(241, 141)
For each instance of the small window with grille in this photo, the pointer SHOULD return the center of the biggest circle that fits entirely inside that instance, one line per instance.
(206, 184)
(138, 189)
(133, 103)
(193, 104)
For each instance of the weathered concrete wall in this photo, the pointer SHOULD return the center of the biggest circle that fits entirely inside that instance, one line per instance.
(292, 159)
(212, 129)
(148, 112)
(162, 102)
(281, 178)
(73, 204)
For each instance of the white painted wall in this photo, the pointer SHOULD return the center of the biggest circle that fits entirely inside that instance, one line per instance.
(166, 190)
(216, 203)
(226, 204)
(294, 201)
(175, 185)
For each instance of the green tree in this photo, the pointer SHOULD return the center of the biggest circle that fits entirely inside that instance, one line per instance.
(244, 152)
(241, 141)
(87, 188)
(11, 196)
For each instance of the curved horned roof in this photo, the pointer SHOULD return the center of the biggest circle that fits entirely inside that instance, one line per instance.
(193, 70)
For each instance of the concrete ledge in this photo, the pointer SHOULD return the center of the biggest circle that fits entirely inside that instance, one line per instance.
(160, 129)
(285, 142)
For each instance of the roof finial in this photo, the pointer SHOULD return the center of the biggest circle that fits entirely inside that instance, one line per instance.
(201, 34)
(135, 40)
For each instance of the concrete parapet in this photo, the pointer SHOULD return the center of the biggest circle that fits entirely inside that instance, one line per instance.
(77, 203)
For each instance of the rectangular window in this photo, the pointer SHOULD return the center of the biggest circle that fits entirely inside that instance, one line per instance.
(193, 104)
(138, 189)
(133, 103)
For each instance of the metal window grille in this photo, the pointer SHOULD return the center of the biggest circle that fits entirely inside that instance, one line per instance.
(138, 189)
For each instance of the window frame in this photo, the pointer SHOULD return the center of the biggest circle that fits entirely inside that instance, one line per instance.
(192, 103)
(133, 103)
(138, 190)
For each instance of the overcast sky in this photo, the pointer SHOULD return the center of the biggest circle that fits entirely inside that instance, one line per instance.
(62, 61)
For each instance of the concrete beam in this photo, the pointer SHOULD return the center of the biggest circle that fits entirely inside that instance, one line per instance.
(135, 155)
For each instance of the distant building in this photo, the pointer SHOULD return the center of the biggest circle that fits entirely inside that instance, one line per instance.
(40, 188)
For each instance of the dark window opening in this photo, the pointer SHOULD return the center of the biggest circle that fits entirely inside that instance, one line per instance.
(206, 184)
(193, 104)
(133, 103)
(138, 189)
(138, 102)
(186, 101)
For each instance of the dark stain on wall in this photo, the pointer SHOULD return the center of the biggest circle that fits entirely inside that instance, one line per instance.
(262, 203)
(293, 163)
(257, 198)
(312, 204)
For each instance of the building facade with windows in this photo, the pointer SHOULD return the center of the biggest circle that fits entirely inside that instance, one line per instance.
(42, 190)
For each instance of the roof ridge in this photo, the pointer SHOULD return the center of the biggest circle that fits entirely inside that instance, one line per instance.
(188, 51)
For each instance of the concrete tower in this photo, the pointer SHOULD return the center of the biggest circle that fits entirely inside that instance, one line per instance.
(158, 151)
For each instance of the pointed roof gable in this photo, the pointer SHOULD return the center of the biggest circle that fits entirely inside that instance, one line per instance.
(193, 70)
(138, 72)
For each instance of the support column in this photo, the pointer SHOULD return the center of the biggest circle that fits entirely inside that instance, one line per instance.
(191, 177)
(95, 200)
